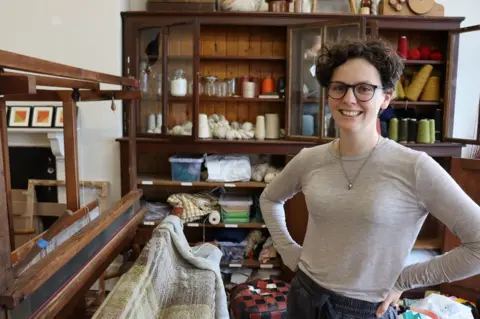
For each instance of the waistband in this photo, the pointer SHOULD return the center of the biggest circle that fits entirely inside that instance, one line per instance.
(329, 302)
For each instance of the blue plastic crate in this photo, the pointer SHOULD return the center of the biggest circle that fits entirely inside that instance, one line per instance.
(186, 169)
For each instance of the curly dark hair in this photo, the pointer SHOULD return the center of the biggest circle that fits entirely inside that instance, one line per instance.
(379, 53)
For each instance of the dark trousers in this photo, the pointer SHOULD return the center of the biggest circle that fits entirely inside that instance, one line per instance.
(308, 300)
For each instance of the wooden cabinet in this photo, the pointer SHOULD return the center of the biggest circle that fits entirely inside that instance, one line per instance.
(466, 173)
(212, 49)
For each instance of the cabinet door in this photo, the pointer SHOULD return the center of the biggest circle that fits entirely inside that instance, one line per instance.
(163, 61)
(462, 108)
(466, 173)
(307, 109)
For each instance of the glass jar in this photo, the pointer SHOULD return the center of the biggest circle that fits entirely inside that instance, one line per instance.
(210, 88)
(178, 86)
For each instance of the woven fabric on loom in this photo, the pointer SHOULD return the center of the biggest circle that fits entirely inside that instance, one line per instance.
(169, 280)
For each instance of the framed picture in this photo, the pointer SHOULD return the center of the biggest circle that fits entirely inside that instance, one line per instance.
(19, 116)
(58, 122)
(42, 116)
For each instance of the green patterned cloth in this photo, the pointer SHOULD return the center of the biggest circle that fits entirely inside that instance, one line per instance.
(169, 280)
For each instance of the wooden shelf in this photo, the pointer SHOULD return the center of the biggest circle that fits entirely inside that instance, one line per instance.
(166, 181)
(223, 57)
(403, 104)
(419, 62)
(252, 264)
(215, 146)
(253, 225)
(240, 99)
(428, 243)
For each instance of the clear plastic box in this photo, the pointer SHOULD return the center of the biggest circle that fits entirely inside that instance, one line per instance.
(186, 169)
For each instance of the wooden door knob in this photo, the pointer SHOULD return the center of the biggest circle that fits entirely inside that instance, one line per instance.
(421, 6)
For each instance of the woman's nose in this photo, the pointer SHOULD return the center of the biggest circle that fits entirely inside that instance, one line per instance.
(349, 96)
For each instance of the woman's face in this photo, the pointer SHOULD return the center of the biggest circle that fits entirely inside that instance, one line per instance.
(357, 112)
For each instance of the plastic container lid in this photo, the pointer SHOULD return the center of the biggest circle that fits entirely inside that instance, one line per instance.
(177, 159)
(235, 200)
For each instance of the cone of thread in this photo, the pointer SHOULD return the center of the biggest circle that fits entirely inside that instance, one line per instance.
(403, 131)
(423, 133)
(393, 129)
(431, 91)
(432, 130)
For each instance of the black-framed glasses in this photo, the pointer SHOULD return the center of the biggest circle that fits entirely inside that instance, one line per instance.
(363, 92)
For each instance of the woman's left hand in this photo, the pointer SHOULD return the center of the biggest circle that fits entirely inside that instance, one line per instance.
(391, 300)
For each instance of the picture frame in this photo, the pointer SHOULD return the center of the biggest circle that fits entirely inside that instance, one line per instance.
(42, 116)
(58, 122)
(19, 116)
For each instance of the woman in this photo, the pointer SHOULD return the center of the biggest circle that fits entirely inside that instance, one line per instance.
(367, 198)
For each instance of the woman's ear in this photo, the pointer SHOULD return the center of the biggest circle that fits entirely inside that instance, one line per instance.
(387, 97)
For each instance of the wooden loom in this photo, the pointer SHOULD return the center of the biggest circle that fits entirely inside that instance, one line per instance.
(54, 285)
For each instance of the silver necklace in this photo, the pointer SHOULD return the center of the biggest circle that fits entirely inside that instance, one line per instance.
(351, 182)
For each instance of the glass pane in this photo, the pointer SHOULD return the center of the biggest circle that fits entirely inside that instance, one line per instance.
(465, 93)
(149, 75)
(305, 91)
(340, 32)
(180, 77)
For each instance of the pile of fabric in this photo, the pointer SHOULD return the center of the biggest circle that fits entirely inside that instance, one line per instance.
(169, 280)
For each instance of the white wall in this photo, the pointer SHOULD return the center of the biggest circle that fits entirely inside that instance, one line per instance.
(85, 34)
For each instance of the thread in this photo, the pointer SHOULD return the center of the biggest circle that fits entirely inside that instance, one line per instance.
(412, 130)
(423, 134)
(393, 129)
(432, 130)
(431, 91)
(403, 131)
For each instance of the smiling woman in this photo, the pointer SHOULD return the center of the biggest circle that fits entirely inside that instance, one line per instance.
(367, 198)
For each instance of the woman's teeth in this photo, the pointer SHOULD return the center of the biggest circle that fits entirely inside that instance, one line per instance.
(350, 113)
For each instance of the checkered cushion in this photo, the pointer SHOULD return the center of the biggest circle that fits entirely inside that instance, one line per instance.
(260, 299)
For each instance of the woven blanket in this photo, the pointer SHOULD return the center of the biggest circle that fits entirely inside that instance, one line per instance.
(169, 280)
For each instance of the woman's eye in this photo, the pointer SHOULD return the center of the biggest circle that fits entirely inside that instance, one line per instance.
(364, 88)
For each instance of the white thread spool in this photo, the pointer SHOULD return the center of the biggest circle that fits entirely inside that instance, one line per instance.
(260, 128)
(272, 122)
(151, 122)
(203, 128)
(159, 121)
(248, 89)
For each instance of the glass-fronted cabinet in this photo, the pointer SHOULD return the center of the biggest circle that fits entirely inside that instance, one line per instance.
(308, 113)
(165, 73)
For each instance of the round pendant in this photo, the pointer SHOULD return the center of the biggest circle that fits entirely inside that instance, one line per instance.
(350, 186)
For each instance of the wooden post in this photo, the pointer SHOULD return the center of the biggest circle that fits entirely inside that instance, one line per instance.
(5, 231)
(132, 145)
(71, 153)
(6, 168)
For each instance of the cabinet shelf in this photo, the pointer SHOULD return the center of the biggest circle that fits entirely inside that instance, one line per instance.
(420, 62)
(249, 263)
(222, 57)
(228, 225)
(165, 181)
(189, 99)
(402, 104)
(428, 243)
(281, 147)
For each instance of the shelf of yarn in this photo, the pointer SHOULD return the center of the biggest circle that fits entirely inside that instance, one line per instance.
(166, 181)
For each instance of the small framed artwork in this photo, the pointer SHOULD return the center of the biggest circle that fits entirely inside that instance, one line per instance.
(58, 122)
(19, 116)
(42, 116)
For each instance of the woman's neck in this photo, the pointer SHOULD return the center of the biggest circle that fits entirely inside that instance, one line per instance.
(355, 144)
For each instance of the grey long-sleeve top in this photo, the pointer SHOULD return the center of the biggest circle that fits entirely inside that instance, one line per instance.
(357, 241)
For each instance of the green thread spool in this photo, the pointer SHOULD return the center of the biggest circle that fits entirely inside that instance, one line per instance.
(393, 129)
(432, 130)
(403, 131)
(423, 133)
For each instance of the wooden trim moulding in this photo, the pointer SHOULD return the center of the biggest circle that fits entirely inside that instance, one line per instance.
(58, 82)
(25, 63)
